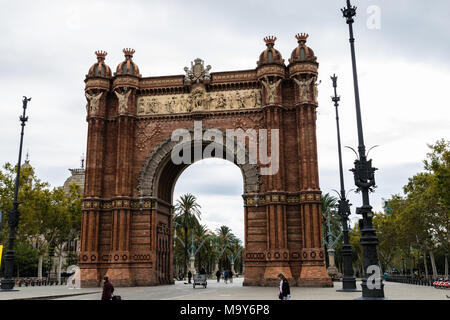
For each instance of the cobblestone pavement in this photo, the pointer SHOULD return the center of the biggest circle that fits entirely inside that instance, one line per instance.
(222, 291)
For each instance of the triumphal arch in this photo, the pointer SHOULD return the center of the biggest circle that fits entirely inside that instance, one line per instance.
(131, 172)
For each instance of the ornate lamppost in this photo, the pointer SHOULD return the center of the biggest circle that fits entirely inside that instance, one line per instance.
(446, 264)
(348, 280)
(364, 176)
(13, 216)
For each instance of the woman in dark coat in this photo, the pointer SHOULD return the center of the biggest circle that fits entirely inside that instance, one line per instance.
(108, 289)
(284, 290)
(218, 274)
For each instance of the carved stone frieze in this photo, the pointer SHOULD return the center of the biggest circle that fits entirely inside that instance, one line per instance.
(199, 100)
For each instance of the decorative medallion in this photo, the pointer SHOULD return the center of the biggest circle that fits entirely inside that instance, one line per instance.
(145, 133)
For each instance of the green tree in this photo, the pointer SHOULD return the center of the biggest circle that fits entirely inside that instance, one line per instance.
(187, 214)
(330, 216)
(26, 259)
(46, 216)
(201, 235)
(387, 233)
(420, 219)
(31, 195)
(226, 238)
(438, 163)
(358, 255)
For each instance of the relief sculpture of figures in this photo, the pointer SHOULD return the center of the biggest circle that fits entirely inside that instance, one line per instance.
(123, 101)
(221, 101)
(170, 105)
(94, 101)
(271, 88)
(141, 107)
(240, 101)
(316, 90)
(200, 100)
(303, 86)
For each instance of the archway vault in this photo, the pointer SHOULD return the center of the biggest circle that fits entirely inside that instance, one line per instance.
(127, 206)
(157, 181)
(159, 173)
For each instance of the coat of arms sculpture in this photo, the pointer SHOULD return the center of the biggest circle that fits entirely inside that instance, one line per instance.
(198, 73)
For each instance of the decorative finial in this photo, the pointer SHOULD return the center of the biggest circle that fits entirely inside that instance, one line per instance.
(270, 40)
(301, 37)
(128, 52)
(82, 161)
(335, 98)
(334, 79)
(101, 54)
(349, 12)
(27, 159)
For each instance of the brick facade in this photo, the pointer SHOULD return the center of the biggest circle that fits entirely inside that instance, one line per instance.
(127, 206)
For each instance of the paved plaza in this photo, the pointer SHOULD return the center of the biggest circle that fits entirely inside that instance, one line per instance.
(222, 291)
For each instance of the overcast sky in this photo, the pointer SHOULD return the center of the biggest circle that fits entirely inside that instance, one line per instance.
(402, 48)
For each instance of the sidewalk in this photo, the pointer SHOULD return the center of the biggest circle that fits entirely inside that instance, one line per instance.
(45, 292)
(222, 291)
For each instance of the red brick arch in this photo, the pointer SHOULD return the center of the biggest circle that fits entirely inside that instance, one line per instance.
(158, 169)
(128, 205)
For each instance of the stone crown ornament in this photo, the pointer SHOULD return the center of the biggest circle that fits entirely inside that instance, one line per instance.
(101, 54)
(100, 69)
(270, 40)
(270, 55)
(128, 52)
(128, 67)
(301, 37)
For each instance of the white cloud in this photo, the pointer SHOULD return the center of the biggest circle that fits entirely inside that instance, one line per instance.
(47, 48)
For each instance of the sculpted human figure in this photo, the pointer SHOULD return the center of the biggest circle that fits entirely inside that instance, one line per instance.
(123, 100)
(221, 101)
(181, 102)
(258, 98)
(254, 99)
(240, 101)
(170, 105)
(94, 101)
(197, 100)
(315, 89)
(153, 106)
(207, 101)
(303, 86)
(271, 88)
(141, 107)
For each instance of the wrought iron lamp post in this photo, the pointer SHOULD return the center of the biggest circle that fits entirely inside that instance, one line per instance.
(348, 280)
(13, 216)
(446, 264)
(364, 176)
(403, 266)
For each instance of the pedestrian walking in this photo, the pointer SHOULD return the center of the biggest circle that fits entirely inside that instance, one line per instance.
(284, 292)
(108, 289)
(230, 275)
(189, 276)
(218, 274)
(225, 276)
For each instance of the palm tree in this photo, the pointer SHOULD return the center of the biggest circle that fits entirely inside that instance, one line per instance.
(328, 207)
(225, 238)
(201, 234)
(187, 214)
